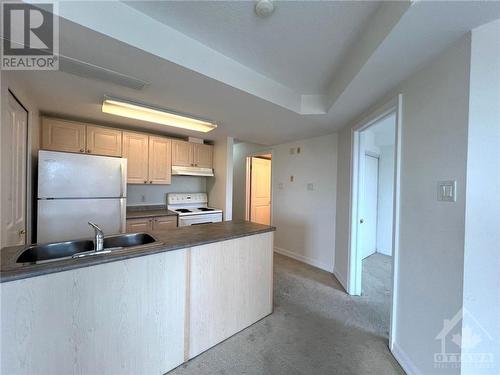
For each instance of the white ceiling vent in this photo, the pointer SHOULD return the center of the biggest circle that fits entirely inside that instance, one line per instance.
(87, 70)
(264, 8)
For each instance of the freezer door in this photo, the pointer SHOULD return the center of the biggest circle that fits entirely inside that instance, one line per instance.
(66, 219)
(66, 175)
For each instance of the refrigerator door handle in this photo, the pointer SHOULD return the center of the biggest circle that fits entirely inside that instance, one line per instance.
(123, 215)
(123, 177)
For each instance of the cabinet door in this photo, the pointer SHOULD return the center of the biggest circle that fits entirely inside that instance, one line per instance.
(135, 149)
(203, 156)
(160, 160)
(104, 141)
(164, 222)
(60, 135)
(139, 225)
(182, 154)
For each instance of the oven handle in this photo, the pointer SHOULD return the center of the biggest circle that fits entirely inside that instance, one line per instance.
(206, 222)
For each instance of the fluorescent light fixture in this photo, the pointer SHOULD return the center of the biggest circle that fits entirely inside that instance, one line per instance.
(147, 113)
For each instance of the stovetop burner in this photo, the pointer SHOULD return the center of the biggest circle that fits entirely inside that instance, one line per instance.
(205, 209)
(183, 210)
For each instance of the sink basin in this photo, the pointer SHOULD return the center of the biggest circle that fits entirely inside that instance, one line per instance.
(128, 240)
(46, 252)
(81, 248)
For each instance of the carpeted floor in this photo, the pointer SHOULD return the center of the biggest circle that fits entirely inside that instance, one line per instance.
(316, 328)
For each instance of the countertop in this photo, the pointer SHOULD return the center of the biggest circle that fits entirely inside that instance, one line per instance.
(173, 239)
(139, 212)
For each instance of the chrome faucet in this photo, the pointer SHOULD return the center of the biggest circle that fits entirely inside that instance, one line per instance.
(99, 237)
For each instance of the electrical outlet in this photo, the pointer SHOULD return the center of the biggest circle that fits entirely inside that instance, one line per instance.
(280, 186)
(298, 150)
(310, 186)
(143, 198)
(447, 191)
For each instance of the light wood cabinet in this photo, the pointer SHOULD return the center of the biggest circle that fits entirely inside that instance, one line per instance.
(151, 223)
(160, 160)
(149, 158)
(139, 225)
(104, 141)
(164, 222)
(61, 135)
(182, 154)
(186, 154)
(136, 150)
(71, 136)
(203, 155)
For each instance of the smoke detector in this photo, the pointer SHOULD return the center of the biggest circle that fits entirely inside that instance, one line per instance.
(264, 8)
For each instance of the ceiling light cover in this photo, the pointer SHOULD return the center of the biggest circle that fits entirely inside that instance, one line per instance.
(147, 113)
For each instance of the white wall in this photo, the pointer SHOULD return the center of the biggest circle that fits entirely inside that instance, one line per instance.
(434, 143)
(240, 152)
(220, 187)
(14, 81)
(482, 215)
(156, 194)
(305, 219)
(385, 199)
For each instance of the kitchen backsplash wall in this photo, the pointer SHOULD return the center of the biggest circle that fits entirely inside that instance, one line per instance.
(140, 195)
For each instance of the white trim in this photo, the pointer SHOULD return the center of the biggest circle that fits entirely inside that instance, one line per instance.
(304, 259)
(404, 361)
(340, 278)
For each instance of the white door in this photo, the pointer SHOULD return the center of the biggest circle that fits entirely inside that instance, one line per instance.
(368, 217)
(260, 196)
(14, 169)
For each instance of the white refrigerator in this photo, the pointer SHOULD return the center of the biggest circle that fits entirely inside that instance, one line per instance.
(74, 189)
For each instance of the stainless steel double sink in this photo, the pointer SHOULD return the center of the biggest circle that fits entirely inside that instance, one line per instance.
(41, 253)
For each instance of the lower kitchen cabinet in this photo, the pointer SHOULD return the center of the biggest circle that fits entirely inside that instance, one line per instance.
(151, 223)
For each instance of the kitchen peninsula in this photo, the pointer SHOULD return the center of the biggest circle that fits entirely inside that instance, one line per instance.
(143, 309)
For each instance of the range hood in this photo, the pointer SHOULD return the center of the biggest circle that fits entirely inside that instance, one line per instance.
(192, 171)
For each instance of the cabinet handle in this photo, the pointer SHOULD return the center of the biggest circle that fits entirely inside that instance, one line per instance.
(88, 151)
(145, 182)
(150, 182)
(82, 150)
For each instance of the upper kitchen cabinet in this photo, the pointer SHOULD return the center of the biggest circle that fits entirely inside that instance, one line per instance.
(186, 154)
(182, 153)
(71, 136)
(135, 149)
(104, 141)
(160, 160)
(149, 158)
(203, 155)
(62, 135)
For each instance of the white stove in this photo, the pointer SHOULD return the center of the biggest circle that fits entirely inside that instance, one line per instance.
(193, 209)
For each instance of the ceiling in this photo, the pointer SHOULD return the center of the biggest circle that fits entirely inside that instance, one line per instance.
(294, 75)
(300, 46)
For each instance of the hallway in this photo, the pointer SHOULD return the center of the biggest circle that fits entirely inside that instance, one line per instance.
(316, 328)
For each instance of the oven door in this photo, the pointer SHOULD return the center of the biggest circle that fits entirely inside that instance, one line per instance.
(184, 221)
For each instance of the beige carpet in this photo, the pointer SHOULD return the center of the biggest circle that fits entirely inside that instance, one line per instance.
(316, 328)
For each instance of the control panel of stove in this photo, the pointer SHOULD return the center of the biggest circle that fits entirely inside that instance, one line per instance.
(186, 198)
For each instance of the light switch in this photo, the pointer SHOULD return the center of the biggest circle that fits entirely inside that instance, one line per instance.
(447, 191)
(291, 178)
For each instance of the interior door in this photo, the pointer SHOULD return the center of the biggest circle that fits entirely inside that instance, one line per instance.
(368, 217)
(260, 191)
(14, 169)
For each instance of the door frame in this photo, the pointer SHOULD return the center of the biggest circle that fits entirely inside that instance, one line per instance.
(29, 172)
(248, 187)
(394, 106)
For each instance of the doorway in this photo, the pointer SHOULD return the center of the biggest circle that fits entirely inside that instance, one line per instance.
(374, 211)
(14, 173)
(258, 189)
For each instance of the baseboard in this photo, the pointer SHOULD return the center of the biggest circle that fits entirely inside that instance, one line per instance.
(405, 362)
(304, 259)
(340, 279)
